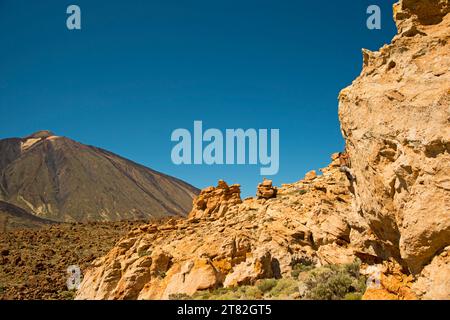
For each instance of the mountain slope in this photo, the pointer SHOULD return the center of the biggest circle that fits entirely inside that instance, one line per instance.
(60, 179)
(13, 217)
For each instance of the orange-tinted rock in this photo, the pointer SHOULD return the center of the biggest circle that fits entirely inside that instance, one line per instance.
(393, 284)
(215, 201)
(311, 175)
(266, 190)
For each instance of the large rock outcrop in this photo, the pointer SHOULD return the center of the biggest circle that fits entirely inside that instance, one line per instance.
(229, 242)
(395, 118)
(214, 202)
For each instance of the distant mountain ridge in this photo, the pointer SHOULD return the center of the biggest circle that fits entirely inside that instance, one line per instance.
(13, 217)
(59, 179)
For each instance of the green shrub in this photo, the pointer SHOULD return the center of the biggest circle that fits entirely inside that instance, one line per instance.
(301, 265)
(353, 296)
(284, 287)
(179, 296)
(228, 296)
(221, 290)
(67, 295)
(329, 286)
(266, 285)
(353, 268)
(219, 294)
(299, 268)
(252, 293)
(202, 295)
(335, 282)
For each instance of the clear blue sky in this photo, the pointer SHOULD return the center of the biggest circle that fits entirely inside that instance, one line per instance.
(140, 69)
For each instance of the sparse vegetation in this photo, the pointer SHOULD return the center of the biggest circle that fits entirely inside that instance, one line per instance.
(67, 295)
(266, 285)
(179, 296)
(237, 293)
(333, 282)
(301, 266)
(353, 296)
(283, 289)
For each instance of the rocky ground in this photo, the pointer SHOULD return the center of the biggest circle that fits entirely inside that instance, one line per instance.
(33, 263)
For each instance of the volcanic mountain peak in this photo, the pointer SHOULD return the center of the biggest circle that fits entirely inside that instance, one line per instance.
(40, 134)
(63, 180)
(31, 140)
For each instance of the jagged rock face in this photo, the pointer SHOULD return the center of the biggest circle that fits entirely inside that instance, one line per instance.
(426, 12)
(396, 121)
(59, 179)
(250, 240)
(215, 201)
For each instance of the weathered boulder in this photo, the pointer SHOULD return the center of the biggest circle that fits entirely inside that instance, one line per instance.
(266, 190)
(194, 275)
(311, 175)
(215, 201)
(257, 267)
